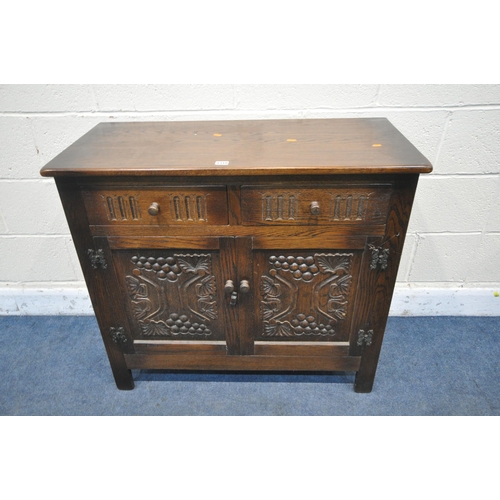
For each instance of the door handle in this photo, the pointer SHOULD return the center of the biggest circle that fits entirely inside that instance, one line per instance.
(244, 286)
(229, 288)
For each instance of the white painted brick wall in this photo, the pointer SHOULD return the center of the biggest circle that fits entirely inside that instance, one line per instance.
(37, 258)
(454, 233)
(453, 204)
(165, 98)
(304, 97)
(18, 151)
(438, 96)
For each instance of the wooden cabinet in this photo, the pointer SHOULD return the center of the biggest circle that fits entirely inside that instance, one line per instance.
(240, 245)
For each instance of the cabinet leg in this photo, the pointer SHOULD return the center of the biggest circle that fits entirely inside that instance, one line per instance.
(122, 374)
(123, 378)
(363, 383)
(365, 375)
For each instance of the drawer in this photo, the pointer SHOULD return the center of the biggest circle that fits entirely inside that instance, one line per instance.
(155, 206)
(314, 205)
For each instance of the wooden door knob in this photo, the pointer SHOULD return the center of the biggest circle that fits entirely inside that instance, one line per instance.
(229, 286)
(154, 209)
(315, 210)
(244, 286)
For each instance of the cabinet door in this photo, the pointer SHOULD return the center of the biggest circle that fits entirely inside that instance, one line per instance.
(306, 294)
(172, 287)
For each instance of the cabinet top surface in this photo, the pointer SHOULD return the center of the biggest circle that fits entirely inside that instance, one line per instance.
(229, 148)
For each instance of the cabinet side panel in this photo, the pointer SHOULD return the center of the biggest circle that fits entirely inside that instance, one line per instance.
(380, 267)
(100, 280)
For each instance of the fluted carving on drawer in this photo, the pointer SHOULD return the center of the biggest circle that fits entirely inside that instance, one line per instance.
(339, 203)
(276, 207)
(188, 208)
(122, 207)
(156, 205)
(351, 207)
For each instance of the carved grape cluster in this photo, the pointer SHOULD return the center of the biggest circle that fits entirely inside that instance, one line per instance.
(307, 325)
(301, 267)
(165, 267)
(181, 324)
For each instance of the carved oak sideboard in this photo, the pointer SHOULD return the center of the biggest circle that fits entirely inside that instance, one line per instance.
(240, 245)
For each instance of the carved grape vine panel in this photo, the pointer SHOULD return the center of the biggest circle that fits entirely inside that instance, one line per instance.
(305, 296)
(172, 296)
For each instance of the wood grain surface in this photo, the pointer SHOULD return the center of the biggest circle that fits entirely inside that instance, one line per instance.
(227, 148)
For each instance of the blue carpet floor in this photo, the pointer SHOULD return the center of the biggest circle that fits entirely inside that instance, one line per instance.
(56, 365)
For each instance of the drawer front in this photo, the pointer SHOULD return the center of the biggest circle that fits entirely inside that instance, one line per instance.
(156, 206)
(313, 205)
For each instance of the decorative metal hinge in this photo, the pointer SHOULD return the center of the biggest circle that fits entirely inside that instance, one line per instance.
(97, 258)
(379, 257)
(118, 335)
(365, 338)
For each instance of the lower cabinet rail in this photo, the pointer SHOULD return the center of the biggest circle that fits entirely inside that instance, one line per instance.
(203, 361)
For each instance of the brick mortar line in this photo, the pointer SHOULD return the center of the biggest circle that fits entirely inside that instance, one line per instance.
(446, 284)
(32, 284)
(442, 139)
(44, 180)
(465, 174)
(82, 113)
(458, 233)
(413, 254)
(34, 235)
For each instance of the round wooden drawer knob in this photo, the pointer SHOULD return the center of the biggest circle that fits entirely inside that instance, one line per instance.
(244, 286)
(315, 208)
(154, 209)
